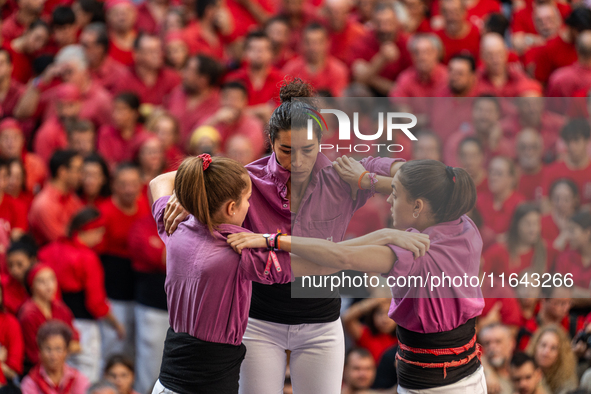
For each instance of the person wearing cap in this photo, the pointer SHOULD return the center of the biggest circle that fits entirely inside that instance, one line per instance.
(126, 205)
(12, 147)
(57, 202)
(70, 66)
(81, 281)
(121, 16)
(197, 97)
(42, 307)
(560, 51)
(205, 139)
(11, 90)
(232, 119)
(148, 77)
(52, 135)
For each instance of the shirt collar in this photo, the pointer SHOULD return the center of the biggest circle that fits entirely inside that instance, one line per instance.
(445, 229)
(69, 372)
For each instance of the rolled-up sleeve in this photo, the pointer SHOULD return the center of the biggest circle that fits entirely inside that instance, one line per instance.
(379, 165)
(253, 264)
(158, 213)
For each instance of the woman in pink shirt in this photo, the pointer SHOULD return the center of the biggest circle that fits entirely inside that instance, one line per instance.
(429, 198)
(208, 285)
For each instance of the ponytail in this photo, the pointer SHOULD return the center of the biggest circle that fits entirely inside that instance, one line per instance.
(449, 191)
(203, 192)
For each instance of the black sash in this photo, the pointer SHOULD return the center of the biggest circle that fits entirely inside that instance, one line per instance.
(77, 303)
(193, 366)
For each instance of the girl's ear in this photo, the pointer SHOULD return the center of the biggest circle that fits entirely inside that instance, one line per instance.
(419, 206)
(230, 208)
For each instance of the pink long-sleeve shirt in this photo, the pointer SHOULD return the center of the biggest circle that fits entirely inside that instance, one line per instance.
(208, 285)
(455, 250)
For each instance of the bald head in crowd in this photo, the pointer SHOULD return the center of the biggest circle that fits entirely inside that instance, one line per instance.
(494, 54)
(583, 47)
(339, 11)
(426, 50)
(547, 20)
(530, 147)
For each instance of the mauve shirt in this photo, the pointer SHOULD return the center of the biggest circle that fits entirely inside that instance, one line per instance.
(208, 285)
(455, 250)
(324, 212)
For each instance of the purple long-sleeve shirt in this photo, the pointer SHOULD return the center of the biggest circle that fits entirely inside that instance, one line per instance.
(324, 212)
(455, 250)
(208, 285)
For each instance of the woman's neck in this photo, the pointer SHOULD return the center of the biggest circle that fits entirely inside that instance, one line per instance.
(296, 194)
(501, 197)
(55, 376)
(44, 305)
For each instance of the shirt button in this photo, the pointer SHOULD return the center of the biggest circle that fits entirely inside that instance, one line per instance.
(284, 205)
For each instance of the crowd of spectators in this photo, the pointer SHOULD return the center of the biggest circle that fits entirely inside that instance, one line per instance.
(98, 98)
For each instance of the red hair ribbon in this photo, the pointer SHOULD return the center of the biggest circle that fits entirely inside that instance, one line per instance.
(32, 273)
(206, 160)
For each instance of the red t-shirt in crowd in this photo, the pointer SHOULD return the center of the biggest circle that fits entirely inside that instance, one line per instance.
(118, 225)
(248, 126)
(550, 230)
(50, 137)
(11, 28)
(367, 46)
(113, 148)
(145, 246)
(582, 177)
(341, 41)
(453, 46)
(530, 185)
(566, 81)
(478, 13)
(77, 269)
(14, 294)
(531, 326)
(123, 56)
(243, 20)
(376, 344)
(51, 212)
(267, 93)
(197, 43)
(517, 83)
(11, 338)
(145, 22)
(22, 69)
(109, 74)
(498, 220)
(554, 54)
(571, 262)
(510, 310)
(190, 117)
(333, 77)
(31, 319)
(13, 95)
(498, 260)
(13, 214)
(166, 81)
(505, 147)
(408, 83)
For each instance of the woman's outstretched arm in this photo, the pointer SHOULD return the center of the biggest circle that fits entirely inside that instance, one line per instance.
(162, 185)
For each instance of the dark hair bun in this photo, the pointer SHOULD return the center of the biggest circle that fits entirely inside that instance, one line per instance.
(293, 88)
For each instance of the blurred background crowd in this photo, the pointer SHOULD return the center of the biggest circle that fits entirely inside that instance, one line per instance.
(98, 98)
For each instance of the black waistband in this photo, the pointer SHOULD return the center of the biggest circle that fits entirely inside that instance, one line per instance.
(416, 377)
(190, 365)
(77, 303)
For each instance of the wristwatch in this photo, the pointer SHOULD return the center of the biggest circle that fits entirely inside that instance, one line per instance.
(266, 236)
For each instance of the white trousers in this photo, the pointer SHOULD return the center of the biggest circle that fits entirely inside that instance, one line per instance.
(473, 384)
(124, 312)
(316, 361)
(160, 389)
(88, 361)
(151, 325)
